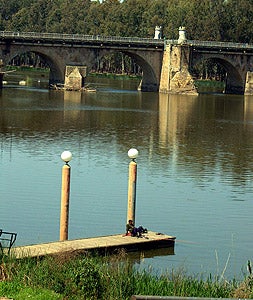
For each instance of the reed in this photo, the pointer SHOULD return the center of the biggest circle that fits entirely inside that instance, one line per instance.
(83, 276)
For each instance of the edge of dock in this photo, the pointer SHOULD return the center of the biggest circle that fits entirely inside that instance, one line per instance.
(101, 245)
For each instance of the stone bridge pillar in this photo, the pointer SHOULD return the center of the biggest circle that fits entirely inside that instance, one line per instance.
(1, 73)
(249, 84)
(1, 80)
(175, 75)
(75, 77)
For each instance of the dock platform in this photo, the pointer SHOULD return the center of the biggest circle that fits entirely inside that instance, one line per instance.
(101, 245)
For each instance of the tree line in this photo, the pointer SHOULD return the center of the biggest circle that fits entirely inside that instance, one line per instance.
(219, 20)
(216, 20)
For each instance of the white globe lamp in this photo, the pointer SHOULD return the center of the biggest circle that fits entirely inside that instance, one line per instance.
(133, 153)
(66, 156)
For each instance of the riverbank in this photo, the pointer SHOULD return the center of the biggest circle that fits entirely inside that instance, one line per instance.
(91, 74)
(77, 276)
(209, 86)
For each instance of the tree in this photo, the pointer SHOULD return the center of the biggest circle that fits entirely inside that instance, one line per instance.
(73, 16)
(240, 27)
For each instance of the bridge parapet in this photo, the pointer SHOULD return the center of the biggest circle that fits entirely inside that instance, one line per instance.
(213, 44)
(62, 37)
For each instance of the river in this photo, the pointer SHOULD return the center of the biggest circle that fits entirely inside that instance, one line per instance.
(194, 169)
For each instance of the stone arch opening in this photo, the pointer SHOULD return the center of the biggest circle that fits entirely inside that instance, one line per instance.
(129, 63)
(216, 69)
(117, 63)
(149, 82)
(37, 59)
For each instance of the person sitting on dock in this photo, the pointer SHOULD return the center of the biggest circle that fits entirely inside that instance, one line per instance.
(134, 231)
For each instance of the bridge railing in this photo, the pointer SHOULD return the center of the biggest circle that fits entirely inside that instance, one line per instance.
(77, 37)
(210, 44)
(99, 38)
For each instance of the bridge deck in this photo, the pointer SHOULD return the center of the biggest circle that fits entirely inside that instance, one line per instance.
(54, 38)
(102, 245)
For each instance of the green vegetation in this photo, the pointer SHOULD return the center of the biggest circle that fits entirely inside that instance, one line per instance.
(217, 20)
(26, 68)
(114, 76)
(76, 276)
(209, 86)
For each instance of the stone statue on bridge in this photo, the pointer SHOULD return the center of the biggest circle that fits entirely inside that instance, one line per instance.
(182, 36)
(158, 33)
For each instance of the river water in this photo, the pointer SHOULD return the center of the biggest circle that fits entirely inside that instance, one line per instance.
(195, 169)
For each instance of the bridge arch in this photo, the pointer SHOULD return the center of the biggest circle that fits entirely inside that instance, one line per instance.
(150, 67)
(54, 63)
(150, 81)
(57, 59)
(234, 79)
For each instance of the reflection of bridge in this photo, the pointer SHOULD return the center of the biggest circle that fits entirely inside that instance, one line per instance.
(166, 65)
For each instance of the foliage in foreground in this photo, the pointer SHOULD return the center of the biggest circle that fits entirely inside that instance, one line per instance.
(79, 276)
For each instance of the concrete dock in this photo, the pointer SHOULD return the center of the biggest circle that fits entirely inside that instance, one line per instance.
(101, 245)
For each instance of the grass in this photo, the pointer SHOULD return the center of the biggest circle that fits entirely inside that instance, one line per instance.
(26, 68)
(114, 76)
(209, 86)
(21, 292)
(82, 276)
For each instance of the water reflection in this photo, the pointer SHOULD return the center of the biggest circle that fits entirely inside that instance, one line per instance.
(207, 131)
(139, 257)
(202, 132)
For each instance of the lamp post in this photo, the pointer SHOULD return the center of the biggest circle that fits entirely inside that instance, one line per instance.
(66, 156)
(133, 154)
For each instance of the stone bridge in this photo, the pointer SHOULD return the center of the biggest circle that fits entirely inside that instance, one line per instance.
(166, 64)
(61, 50)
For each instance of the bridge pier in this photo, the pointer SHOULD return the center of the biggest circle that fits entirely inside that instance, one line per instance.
(175, 75)
(1, 73)
(249, 84)
(146, 86)
(75, 77)
(235, 83)
(1, 80)
(233, 89)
